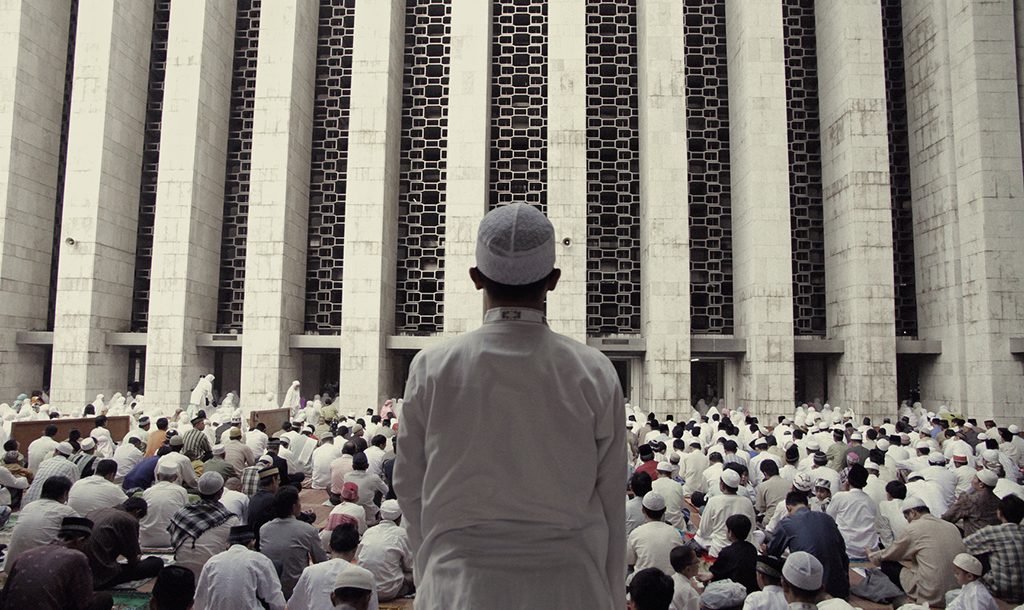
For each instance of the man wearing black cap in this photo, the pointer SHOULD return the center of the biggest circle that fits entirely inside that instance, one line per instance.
(197, 445)
(55, 576)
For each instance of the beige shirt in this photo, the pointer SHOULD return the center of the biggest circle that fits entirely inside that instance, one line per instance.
(926, 550)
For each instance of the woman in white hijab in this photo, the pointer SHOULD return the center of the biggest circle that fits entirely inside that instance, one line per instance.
(292, 399)
(201, 396)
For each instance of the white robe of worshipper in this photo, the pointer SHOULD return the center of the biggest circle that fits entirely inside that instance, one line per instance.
(202, 395)
(932, 495)
(93, 493)
(99, 405)
(650, 545)
(684, 595)
(40, 449)
(973, 596)
(891, 521)
(673, 494)
(315, 585)
(944, 478)
(692, 466)
(238, 579)
(477, 545)
(769, 598)
(292, 399)
(964, 477)
(824, 472)
(856, 515)
(712, 533)
(8, 482)
(163, 500)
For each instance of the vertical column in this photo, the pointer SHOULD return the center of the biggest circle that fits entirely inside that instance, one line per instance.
(664, 239)
(762, 287)
(990, 201)
(371, 211)
(94, 280)
(858, 218)
(279, 198)
(189, 198)
(469, 118)
(567, 163)
(33, 46)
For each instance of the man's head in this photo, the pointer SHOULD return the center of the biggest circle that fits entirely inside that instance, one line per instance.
(515, 255)
(769, 571)
(985, 480)
(107, 469)
(270, 479)
(56, 489)
(162, 423)
(738, 527)
(51, 431)
(135, 506)
(801, 577)
(175, 589)
(1011, 509)
(211, 486)
(101, 421)
(353, 586)
(243, 535)
(345, 539)
(684, 560)
(75, 532)
(379, 441)
(650, 589)
(286, 502)
(858, 476)
(653, 506)
(914, 508)
(730, 481)
(360, 461)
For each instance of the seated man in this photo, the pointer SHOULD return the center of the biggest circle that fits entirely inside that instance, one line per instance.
(200, 530)
(97, 491)
(239, 578)
(353, 589)
(738, 561)
(386, 552)
(55, 576)
(39, 522)
(115, 533)
(289, 542)
(313, 591)
(817, 534)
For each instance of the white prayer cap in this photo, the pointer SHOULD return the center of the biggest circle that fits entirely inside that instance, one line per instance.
(990, 455)
(869, 465)
(824, 484)
(968, 563)
(1014, 429)
(761, 442)
(803, 570)
(723, 594)
(87, 444)
(354, 577)
(210, 483)
(812, 445)
(882, 445)
(731, 478)
(912, 502)
(265, 459)
(988, 477)
(936, 459)
(166, 468)
(856, 436)
(982, 437)
(64, 448)
(515, 245)
(665, 467)
(921, 444)
(218, 449)
(390, 510)
(803, 482)
(654, 501)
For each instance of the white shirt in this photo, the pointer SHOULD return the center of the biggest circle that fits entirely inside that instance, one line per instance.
(186, 474)
(769, 598)
(164, 499)
(467, 538)
(385, 551)
(673, 494)
(932, 495)
(236, 502)
(691, 468)
(313, 591)
(8, 480)
(891, 521)
(38, 524)
(649, 545)
(856, 516)
(127, 457)
(322, 458)
(104, 442)
(684, 596)
(39, 450)
(974, 596)
(712, 533)
(375, 455)
(233, 579)
(93, 493)
(257, 441)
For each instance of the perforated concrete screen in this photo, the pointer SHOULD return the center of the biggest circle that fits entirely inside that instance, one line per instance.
(805, 194)
(613, 169)
(231, 295)
(150, 165)
(519, 107)
(899, 170)
(329, 171)
(707, 150)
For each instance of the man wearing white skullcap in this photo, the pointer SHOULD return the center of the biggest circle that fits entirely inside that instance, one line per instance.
(920, 560)
(650, 544)
(672, 492)
(802, 580)
(58, 465)
(713, 533)
(972, 595)
(164, 499)
(977, 508)
(385, 551)
(485, 547)
(723, 595)
(200, 530)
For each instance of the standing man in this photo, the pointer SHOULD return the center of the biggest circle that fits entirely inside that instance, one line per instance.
(484, 547)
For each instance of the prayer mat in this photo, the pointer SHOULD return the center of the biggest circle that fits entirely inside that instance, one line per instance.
(130, 600)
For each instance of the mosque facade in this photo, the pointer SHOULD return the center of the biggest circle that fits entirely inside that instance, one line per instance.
(757, 202)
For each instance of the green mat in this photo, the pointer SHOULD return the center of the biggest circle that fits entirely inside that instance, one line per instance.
(130, 600)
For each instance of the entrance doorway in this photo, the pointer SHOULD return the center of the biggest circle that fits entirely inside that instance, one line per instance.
(623, 368)
(706, 382)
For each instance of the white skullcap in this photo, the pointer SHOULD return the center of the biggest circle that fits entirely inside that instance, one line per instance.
(1014, 429)
(665, 467)
(968, 563)
(856, 436)
(812, 445)
(869, 465)
(988, 477)
(64, 448)
(982, 437)
(761, 442)
(218, 449)
(882, 445)
(354, 577)
(722, 594)
(912, 502)
(936, 458)
(210, 483)
(515, 245)
(653, 501)
(803, 482)
(390, 510)
(990, 455)
(824, 484)
(921, 444)
(803, 570)
(87, 444)
(731, 478)
(166, 468)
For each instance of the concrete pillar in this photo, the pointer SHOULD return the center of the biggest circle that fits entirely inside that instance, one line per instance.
(101, 194)
(567, 163)
(469, 120)
(763, 288)
(33, 54)
(371, 208)
(664, 234)
(275, 262)
(858, 217)
(189, 199)
(990, 202)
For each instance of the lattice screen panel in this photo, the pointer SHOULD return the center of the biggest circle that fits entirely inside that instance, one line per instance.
(419, 302)
(707, 139)
(231, 295)
(62, 165)
(150, 165)
(899, 170)
(519, 109)
(805, 192)
(613, 168)
(329, 171)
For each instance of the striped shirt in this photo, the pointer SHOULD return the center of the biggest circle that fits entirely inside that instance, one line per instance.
(58, 465)
(196, 446)
(1004, 545)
